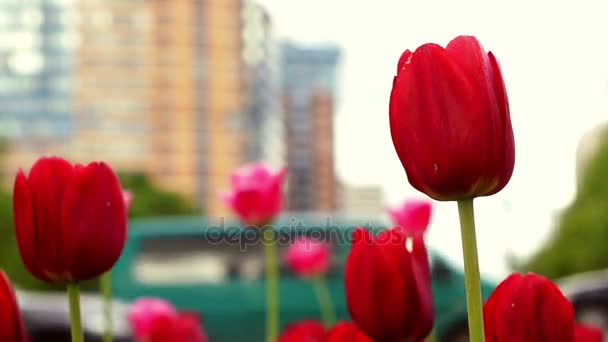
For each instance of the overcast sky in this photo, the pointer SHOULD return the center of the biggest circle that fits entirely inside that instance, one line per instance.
(554, 56)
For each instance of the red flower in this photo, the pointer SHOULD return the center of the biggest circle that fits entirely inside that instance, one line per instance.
(450, 123)
(303, 331)
(70, 221)
(11, 326)
(346, 332)
(257, 194)
(413, 216)
(388, 286)
(587, 333)
(528, 308)
(307, 257)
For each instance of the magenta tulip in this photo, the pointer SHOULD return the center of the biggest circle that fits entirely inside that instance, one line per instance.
(145, 311)
(257, 194)
(70, 221)
(307, 257)
(412, 216)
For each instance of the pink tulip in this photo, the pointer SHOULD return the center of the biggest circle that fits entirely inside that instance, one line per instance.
(413, 216)
(307, 257)
(187, 328)
(146, 314)
(127, 196)
(257, 194)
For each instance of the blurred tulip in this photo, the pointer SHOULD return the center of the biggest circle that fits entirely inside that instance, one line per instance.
(303, 331)
(412, 216)
(11, 325)
(346, 332)
(587, 333)
(449, 119)
(257, 194)
(145, 311)
(388, 286)
(307, 257)
(186, 327)
(528, 308)
(127, 196)
(70, 221)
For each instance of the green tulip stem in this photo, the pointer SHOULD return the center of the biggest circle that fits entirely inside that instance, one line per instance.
(325, 302)
(74, 299)
(471, 270)
(272, 285)
(105, 282)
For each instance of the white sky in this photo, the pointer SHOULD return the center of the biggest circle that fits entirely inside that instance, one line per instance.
(554, 56)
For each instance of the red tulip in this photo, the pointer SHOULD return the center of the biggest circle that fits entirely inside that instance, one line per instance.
(11, 325)
(450, 123)
(304, 331)
(528, 308)
(257, 194)
(70, 221)
(145, 313)
(388, 286)
(412, 216)
(307, 257)
(587, 333)
(346, 332)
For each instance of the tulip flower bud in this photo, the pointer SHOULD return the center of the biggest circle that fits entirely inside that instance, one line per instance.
(70, 221)
(304, 331)
(257, 194)
(528, 308)
(388, 286)
(346, 332)
(144, 311)
(587, 333)
(412, 216)
(450, 123)
(307, 257)
(11, 325)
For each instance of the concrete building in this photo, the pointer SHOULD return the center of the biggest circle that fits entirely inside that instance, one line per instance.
(309, 92)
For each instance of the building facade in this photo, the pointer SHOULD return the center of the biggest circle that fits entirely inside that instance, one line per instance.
(309, 93)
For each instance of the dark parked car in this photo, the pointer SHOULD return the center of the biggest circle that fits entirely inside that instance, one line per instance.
(588, 293)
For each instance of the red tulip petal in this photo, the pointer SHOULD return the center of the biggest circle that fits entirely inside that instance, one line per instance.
(47, 179)
(27, 240)
(94, 221)
(404, 60)
(11, 324)
(422, 278)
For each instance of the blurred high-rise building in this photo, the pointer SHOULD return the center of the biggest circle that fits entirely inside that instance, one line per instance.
(262, 69)
(361, 201)
(309, 86)
(37, 40)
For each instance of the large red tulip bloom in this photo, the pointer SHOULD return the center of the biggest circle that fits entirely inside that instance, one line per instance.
(346, 332)
(257, 193)
(388, 286)
(450, 123)
(587, 333)
(528, 308)
(11, 325)
(303, 331)
(70, 221)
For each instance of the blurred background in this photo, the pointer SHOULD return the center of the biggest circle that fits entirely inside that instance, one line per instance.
(175, 94)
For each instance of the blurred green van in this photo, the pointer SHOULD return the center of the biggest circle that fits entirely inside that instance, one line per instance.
(217, 270)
